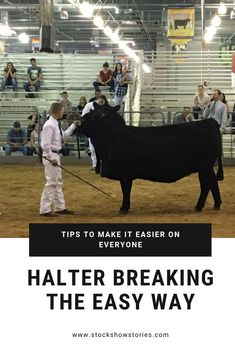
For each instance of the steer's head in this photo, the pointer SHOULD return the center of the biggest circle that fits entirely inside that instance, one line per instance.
(98, 120)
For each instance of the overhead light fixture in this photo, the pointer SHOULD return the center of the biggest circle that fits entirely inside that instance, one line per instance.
(23, 38)
(108, 31)
(216, 21)
(211, 30)
(6, 31)
(222, 9)
(208, 37)
(86, 9)
(99, 22)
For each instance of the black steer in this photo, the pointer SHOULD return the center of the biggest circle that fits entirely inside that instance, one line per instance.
(181, 23)
(164, 154)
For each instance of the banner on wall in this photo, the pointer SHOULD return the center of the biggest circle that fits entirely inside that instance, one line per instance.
(180, 23)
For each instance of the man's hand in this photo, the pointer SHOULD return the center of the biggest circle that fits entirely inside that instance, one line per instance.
(77, 122)
(54, 162)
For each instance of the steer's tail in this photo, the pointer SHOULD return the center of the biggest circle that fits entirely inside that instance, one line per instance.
(220, 172)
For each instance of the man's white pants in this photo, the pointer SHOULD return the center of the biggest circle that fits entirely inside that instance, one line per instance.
(93, 155)
(52, 193)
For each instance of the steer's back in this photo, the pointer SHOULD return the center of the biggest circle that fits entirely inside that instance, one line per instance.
(165, 153)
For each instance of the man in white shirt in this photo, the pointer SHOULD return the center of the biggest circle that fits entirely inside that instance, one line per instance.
(217, 110)
(51, 143)
(88, 107)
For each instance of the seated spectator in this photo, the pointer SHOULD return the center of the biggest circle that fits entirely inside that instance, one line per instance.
(201, 100)
(117, 70)
(233, 119)
(34, 74)
(9, 77)
(34, 118)
(35, 140)
(183, 117)
(66, 103)
(223, 100)
(81, 105)
(105, 78)
(123, 80)
(16, 139)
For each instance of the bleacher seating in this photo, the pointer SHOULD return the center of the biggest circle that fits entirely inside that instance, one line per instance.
(72, 73)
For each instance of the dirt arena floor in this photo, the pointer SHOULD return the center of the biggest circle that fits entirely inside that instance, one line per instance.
(21, 187)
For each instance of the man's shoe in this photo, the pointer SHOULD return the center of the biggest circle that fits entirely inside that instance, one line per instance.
(48, 214)
(65, 211)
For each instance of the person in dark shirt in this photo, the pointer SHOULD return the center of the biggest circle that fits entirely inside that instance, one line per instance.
(16, 139)
(34, 75)
(105, 78)
(98, 94)
(117, 71)
(9, 77)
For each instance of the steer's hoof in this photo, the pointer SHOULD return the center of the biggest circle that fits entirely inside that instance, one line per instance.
(220, 176)
(198, 209)
(122, 211)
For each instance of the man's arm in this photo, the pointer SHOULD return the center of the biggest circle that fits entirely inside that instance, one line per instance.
(46, 138)
(206, 112)
(224, 118)
(9, 142)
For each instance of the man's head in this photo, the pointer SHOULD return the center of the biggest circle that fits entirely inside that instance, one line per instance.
(105, 66)
(65, 95)
(16, 126)
(57, 110)
(33, 62)
(216, 94)
(98, 94)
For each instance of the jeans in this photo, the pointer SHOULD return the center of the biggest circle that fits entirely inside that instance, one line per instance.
(9, 149)
(9, 82)
(27, 86)
(96, 85)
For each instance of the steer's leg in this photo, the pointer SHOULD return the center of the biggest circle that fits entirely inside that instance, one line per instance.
(204, 179)
(126, 185)
(215, 190)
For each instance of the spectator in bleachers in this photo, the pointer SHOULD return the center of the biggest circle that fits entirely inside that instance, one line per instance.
(34, 75)
(233, 119)
(117, 71)
(223, 100)
(183, 117)
(16, 139)
(33, 118)
(35, 139)
(98, 94)
(67, 104)
(9, 76)
(81, 105)
(105, 78)
(201, 100)
(123, 80)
